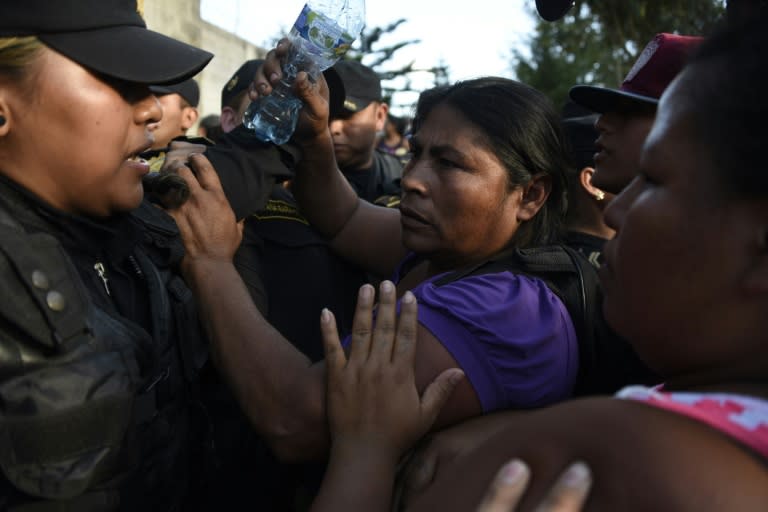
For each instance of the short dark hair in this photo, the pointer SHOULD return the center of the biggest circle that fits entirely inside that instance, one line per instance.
(725, 88)
(522, 127)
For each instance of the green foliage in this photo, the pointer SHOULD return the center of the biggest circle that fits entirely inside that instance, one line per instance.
(598, 40)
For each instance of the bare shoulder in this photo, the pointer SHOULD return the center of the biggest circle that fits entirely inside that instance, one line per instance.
(642, 458)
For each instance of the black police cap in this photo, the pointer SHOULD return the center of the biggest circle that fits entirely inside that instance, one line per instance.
(188, 89)
(106, 36)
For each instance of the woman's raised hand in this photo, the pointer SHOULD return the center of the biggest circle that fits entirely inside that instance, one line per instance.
(313, 91)
(372, 398)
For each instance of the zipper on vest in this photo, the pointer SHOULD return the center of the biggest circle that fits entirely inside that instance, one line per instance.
(136, 267)
(102, 272)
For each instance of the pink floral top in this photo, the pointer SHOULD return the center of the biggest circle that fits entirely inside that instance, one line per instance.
(741, 417)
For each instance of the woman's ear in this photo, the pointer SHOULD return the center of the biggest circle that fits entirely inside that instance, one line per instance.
(585, 179)
(535, 194)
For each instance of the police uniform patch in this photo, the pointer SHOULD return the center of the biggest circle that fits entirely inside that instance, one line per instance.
(232, 83)
(282, 210)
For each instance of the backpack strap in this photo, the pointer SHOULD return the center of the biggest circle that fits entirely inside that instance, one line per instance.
(607, 362)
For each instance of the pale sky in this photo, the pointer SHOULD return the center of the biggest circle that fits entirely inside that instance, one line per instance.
(473, 37)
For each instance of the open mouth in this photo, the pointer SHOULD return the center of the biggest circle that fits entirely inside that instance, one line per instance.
(138, 159)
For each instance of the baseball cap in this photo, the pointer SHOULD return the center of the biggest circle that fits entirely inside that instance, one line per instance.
(659, 63)
(188, 89)
(360, 83)
(106, 36)
(242, 78)
(581, 135)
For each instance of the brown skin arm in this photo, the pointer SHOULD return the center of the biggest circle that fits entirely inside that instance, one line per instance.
(281, 392)
(365, 234)
(438, 450)
(641, 458)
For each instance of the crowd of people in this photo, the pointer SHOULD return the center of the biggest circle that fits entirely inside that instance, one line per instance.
(497, 305)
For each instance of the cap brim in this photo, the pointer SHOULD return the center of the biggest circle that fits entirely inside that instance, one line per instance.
(601, 100)
(131, 53)
(353, 104)
(159, 90)
(336, 92)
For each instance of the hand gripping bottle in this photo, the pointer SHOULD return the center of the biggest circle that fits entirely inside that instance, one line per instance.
(323, 32)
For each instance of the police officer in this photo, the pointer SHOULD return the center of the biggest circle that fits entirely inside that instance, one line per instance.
(102, 357)
(374, 174)
(289, 268)
(292, 274)
(179, 103)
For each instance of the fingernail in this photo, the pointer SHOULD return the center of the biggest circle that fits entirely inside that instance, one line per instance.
(457, 375)
(273, 77)
(366, 292)
(409, 298)
(325, 316)
(577, 475)
(262, 88)
(387, 287)
(513, 472)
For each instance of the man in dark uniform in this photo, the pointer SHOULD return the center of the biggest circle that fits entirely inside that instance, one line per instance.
(288, 267)
(179, 103)
(291, 274)
(374, 174)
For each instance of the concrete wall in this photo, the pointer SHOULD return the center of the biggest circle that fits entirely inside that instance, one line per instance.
(181, 20)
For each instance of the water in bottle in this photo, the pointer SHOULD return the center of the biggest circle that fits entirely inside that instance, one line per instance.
(323, 32)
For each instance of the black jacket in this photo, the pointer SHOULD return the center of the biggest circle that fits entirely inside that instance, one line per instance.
(100, 359)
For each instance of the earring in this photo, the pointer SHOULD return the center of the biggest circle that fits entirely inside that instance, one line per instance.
(2, 120)
(599, 195)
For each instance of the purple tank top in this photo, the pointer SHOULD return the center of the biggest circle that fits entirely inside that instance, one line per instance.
(510, 334)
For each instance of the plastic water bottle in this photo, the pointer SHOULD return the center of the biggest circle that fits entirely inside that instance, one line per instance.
(321, 35)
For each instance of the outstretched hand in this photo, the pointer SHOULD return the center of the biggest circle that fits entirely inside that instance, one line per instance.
(372, 400)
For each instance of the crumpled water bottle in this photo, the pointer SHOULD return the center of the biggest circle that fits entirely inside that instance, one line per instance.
(321, 35)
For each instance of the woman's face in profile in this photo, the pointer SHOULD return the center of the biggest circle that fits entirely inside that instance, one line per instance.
(674, 274)
(77, 139)
(456, 205)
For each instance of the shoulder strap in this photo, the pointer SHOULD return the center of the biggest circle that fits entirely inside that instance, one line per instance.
(48, 304)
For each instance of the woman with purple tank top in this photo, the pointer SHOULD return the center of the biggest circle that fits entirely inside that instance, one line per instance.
(486, 174)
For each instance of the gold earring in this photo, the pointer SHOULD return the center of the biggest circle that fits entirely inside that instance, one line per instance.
(599, 195)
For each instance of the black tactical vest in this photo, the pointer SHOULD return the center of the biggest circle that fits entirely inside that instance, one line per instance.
(94, 410)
